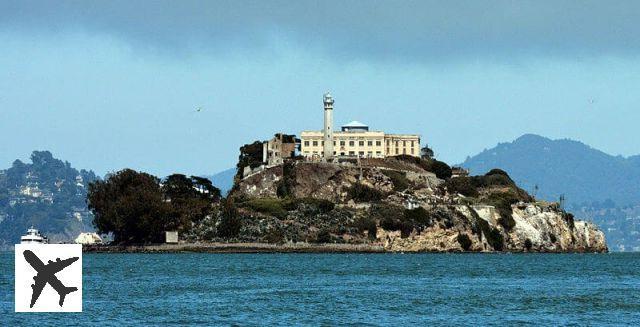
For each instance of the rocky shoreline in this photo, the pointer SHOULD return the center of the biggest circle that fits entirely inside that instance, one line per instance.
(236, 248)
(280, 248)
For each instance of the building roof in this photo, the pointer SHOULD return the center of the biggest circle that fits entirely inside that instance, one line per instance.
(355, 124)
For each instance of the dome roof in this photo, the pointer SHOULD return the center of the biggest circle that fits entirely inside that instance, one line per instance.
(355, 124)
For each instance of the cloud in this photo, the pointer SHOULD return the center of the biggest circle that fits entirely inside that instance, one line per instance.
(420, 31)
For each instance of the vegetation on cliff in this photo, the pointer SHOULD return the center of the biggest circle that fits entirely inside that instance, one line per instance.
(401, 202)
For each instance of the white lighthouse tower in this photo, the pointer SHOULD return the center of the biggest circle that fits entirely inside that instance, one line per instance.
(328, 127)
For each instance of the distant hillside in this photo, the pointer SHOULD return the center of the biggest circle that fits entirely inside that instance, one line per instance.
(597, 186)
(46, 193)
(223, 180)
(585, 176)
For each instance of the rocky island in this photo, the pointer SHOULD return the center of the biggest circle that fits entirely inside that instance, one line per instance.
(348, 190)
(400, 204)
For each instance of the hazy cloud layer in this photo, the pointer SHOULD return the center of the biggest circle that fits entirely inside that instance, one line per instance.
(350, 30)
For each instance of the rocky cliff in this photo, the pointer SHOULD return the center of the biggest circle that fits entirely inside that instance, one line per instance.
(400, 205)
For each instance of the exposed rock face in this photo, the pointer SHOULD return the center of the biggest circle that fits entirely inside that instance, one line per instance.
(546, 230)
(402, 207)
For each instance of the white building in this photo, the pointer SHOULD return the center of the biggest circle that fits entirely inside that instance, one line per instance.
(355, 140)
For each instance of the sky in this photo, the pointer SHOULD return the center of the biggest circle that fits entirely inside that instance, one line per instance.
(108, 85)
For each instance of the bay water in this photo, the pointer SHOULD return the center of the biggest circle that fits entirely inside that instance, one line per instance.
(346, 289)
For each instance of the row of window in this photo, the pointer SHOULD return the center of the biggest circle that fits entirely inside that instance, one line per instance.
(360, 143)
(369, 153)
(397, 143)
(343, 143)
(404, 151)
(350, 153)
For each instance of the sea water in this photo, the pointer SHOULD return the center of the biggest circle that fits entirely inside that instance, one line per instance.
(351, 289)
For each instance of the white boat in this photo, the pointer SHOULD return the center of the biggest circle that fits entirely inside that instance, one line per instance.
(33, 236)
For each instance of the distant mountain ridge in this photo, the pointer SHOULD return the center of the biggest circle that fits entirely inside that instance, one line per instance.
(223, 180)
(582, 174)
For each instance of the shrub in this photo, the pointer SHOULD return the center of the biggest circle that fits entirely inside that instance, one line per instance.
(275, 236)
(497, 171)
(404, 220)
(495, 239)
(502, 202)
(507, 222)
(363, 193)
(270, 206)
(419, 216)
(367, 224)
(441, 169)
(319, 205)
(462, 185)
(552, 237)
(324, 236)
(528, 244)
(285, 187)
(230, 223)
(396, 218)
(493, 235)
(406, 228)
(464, 241)
(390, 224)
(399, 179)
(568, 217)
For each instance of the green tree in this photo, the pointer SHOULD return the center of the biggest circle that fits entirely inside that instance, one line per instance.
(206, 188)
(190, 200)
(129, 204)
(426, 152)
(250, 156)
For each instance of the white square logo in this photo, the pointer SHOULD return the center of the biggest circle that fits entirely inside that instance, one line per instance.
(48, 277)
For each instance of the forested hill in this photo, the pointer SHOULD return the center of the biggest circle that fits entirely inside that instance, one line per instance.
(47, 193)
(585, 176)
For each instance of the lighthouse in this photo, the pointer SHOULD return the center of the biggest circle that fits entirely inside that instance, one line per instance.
(328, 127)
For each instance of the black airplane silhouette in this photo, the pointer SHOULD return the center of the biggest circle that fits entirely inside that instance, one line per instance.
(47, 274)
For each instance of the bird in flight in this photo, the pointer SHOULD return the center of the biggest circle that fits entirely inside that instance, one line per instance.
(198, 109)
(47, 275)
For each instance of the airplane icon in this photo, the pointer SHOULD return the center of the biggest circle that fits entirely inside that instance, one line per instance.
(47, 274)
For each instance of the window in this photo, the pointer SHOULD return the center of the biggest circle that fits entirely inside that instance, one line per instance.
(352, 143)
(411, 150)
(378, 143)
(397, 143)
(334, 143)
(342, 153)
(412, 142)
(404, 151)
(306, 143)
(369, 154)
(378, 153)
(361, 143)
(315, 143)
(342, 143)
(370, 143)
(361, 153)
(351, 153)
(397, 151)
(404, 143)
(334, 153)
(322, 143)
